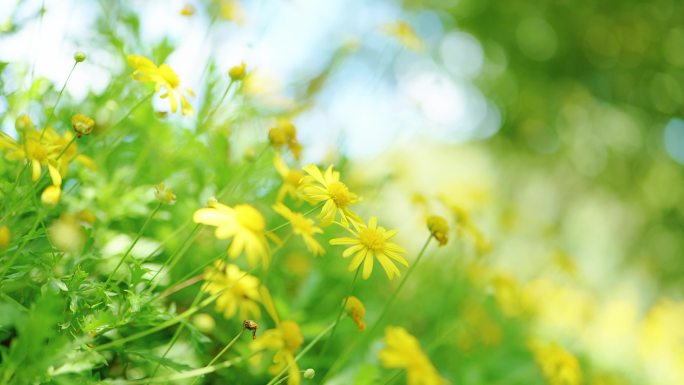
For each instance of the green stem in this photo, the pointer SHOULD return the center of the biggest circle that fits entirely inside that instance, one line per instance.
(187, 374)
(341, 360)
(303, 352)
(389, 302)
(217, 356)
(177, 333)
(135, 241)
(59, 97)
(340, 312)
(218, 105)
(171, 261)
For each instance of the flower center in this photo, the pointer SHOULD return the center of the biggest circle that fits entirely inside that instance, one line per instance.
(372, 239)
(339, 193)
(250, 218)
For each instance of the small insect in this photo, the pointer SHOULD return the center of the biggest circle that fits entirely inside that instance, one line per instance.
(251, 325)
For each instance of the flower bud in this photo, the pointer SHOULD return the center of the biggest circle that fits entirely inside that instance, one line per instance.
(354, 307)
(187, 10)
(277, 137)
(24, 123)
(164, 195)
(79, 56)
(309, 373)
(439, 228)
(82, 124)
(238, 73)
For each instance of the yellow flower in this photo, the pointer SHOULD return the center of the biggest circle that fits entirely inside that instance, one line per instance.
(326, 187)
(5, 236)
(244, 224)
(439, 228)
(403, 350)
(291, 180)
(239, 291)
(285, 339)
(357, 311)
(406, 35)
(285, 134)
(162, 77)
(188, 10)
(47, 148)
(558, 365)
(370, 242)
(302, 226)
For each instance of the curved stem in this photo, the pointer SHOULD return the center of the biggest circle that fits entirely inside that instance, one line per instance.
(339, 313)
(59, 97)
(135, 241)
(219, 354)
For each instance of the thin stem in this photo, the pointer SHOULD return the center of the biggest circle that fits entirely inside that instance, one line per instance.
(339, 313)
(177, 333)
(187, 374)
(135, 241)
(59, 97)
(171, 261)
(389, 302)
(345, 356)
(219, 354)
(303, 352)
(218, 105)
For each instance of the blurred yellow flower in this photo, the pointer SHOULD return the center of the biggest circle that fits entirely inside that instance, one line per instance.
(244, 224)
(439, 228)
(402, 350)
(317, 187)
(558, 365)
(285, 134)
(370, 242)
(232, 10)
(67, 234)
(5, 236)
(162, 77)
(284, 341)
(302, 226)
(46, 148)
(291, 180)
(239, 291)
(354, 307)
(406, 35)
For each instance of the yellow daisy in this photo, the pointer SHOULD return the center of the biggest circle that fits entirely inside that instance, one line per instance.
(244, 224)
(239, 290)
(402, 350)
(162, 77)
(370, 242)
(326, 187)
(302, 226)
(47, 149)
